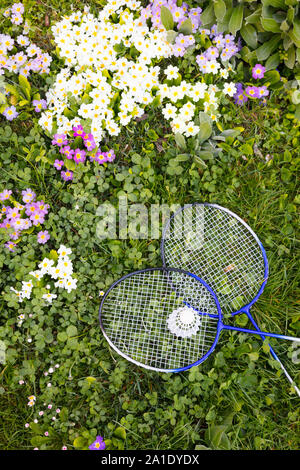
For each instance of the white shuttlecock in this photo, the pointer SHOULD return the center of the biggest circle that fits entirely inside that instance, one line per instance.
(184, 322)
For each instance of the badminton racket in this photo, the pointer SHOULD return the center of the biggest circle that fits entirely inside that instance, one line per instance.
(219, 247)
(164, 319)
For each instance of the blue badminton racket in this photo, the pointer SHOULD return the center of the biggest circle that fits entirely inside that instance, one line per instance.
(219, 247)
(164, 319)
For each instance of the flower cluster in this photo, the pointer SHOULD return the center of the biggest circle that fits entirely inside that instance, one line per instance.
(222, 48)
(15, 13)
(109, 77)
(180, 14)
(31, 400)
(61, 273)
(77, 150)
(20, 55)
(16, 218)
(242, 95)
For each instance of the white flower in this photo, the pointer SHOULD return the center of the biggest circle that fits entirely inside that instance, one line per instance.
(229, 89)
(49, 297)
(64, 251)
(171, 72)
(191, 129)
(45, 265)
(169, 111)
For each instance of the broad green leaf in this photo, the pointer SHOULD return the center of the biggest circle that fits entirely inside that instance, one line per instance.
(274, 3)
(208, 15)
(295, 33)
(171, 36)
(249, 35)
(186, 27)
(70, 164)
(25, 86)
(254, 17)
(180, 140)
(264, 51)
(272, 77)
(291, 58)
(219, 9)
(236, 20)
(205, 131)
(269, 24)
(166, 18)
(272, 62)
(217, 438)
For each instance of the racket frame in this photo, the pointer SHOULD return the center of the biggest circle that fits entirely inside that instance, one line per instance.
(166, 270)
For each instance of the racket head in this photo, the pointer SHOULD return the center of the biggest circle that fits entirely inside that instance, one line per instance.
(133, 318)
(246, 243)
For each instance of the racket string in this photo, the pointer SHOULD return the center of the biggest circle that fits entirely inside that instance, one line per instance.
(222, 252)
(138, 326)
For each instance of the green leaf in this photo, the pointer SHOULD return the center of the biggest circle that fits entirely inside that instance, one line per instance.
(205, 131)
(219, 9)
(254, 17)
(264, 51)
(295, 97)
(269, 24)
(70, 164)
(180, 140)
(236, 20)
(166, 18)
(171, 36)
(72, 331)
(217, 438)
(186, 27)
(80, 442)
(291, 58)
(295, 33)
(297, 112)
(272, 77)
(272, 62)
(249, 34)
(120, 433)
(208, 15)
(25, 86)
(274, 3)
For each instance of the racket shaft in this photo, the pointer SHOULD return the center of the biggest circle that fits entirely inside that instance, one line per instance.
(261, 333)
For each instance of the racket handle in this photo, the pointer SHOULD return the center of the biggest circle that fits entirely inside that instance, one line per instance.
(261, 333)
(275, 355)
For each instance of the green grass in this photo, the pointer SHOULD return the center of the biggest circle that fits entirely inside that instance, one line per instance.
(238, 398)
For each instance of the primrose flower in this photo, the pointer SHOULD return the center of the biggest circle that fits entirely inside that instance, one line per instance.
(59, 139)
(11, 246)
(43, 237)
(28, 196)
(263, 91)
(98, 444)
(79, 156)
(78, 131)
(252, 91)
(258, 71)
(49, 298)
(39, 105)
(5, 194)
(67, 175)
(10, 113)
(58, 164)
(67, 151)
